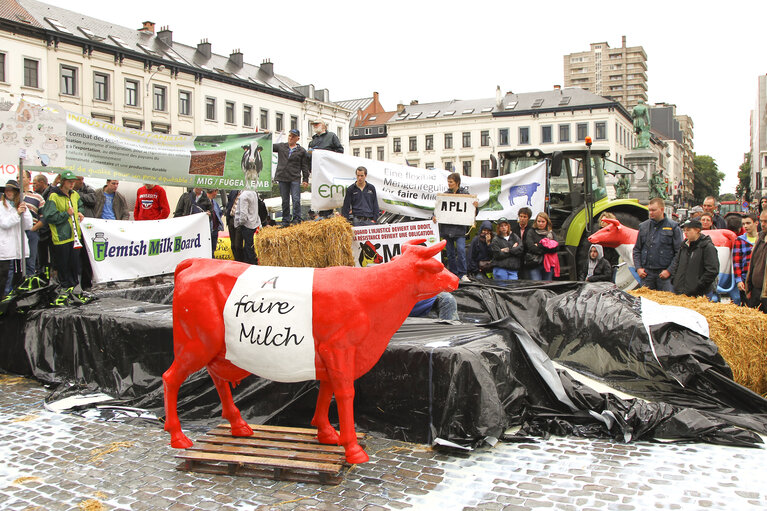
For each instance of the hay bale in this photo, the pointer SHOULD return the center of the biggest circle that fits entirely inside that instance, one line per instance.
(308, 244)
(740, 333)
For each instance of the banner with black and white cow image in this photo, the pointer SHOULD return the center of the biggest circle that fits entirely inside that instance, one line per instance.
(378, 244)
(412, 191)
(268, 323)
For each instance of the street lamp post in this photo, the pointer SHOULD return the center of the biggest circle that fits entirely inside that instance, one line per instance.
(159, 69)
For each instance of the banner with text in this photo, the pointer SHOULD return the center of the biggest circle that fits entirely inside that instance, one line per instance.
(413, 191)
(122, 250)
(55, 138)
(378, 244)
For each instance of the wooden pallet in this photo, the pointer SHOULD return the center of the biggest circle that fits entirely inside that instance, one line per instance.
(275, 452)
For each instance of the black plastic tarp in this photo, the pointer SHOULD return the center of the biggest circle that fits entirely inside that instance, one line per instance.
(459, 382)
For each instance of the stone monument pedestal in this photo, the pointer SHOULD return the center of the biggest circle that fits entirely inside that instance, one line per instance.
(643, 162)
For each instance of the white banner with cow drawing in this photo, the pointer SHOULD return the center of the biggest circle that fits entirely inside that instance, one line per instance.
(122, 249)
(413, 191)
(378, 244)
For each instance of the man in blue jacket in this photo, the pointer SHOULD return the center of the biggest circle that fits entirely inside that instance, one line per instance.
(658, 241)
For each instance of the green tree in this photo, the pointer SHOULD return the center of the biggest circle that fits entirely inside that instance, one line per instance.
(707, 178)
(743, 190)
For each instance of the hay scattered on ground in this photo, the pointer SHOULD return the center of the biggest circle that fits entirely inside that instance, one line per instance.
(26, 418)
(27, 479)
(309, 244)
(91, 505)
(11, 380)
(739, 332)
(98, 454)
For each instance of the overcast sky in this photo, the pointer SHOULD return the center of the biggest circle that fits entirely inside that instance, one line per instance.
(702, 56)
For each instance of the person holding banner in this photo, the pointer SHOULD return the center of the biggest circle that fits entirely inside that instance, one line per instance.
(360, 201)
(14, 216)
(507, 253)
(455, 234)
(63, 215)
(151, 203)
(323, 139)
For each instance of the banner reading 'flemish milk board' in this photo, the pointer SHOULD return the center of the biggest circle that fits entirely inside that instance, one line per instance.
(413, 191)
(120, 250)
(53, 138)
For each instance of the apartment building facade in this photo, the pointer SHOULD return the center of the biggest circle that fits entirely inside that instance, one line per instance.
(464, 135)
(676, 132)
(144, 79)
(759, 141)
(619, 73)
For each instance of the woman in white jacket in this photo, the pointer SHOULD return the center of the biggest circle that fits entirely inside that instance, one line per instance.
(14, 220)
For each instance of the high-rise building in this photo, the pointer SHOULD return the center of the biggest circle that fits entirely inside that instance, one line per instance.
(676, 131)
(619, 74)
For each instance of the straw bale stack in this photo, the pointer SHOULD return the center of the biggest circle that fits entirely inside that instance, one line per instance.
(740, 333)
(308, 244)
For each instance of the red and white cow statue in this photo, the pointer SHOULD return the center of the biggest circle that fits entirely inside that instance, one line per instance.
(293, 324)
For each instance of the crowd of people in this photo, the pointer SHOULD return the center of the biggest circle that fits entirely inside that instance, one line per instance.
(667, 256)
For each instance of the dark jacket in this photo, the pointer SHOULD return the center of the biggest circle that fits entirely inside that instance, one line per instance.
(534, 251)
(291, 167)
(719, 221)
(479, 250)
(511, 260)
(695, 267)
(603, 271)
(328, 141)
(657, 243)
(360, 203)
(452, 230)
(119, 206)
(187, 205)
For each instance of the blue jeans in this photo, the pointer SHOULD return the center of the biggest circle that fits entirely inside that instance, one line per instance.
(539, 274)
(290, 190)
(653, 281)
(32, 237)
(456, 255)
(504, 274)
(448, 307)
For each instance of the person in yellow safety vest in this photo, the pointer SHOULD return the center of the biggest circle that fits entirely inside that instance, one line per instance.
(62, 212)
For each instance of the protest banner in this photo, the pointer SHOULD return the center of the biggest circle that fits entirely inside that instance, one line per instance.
(121, 249)
(413, 192)
(455, 209)
(378, 244)
(57, 139)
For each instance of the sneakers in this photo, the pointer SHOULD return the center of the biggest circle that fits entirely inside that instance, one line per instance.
(63, 299)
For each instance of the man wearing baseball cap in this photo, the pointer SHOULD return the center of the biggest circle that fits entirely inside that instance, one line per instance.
(292, 172)
(696, 265)
(62, 212)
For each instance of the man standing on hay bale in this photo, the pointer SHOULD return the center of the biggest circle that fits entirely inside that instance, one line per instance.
(756, 280)
(323, 139)
(360, 201)
(696, 265)
(658, 241)
(292, 166)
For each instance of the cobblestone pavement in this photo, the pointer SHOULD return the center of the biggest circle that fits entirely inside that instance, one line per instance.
(66, 462)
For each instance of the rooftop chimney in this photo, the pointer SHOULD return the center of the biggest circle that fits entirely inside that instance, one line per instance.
(557, 87)
(624, 41)
(148, 27)
(400, 108)
(267, 67)
(498, 97)
(165, 35)
(236, 57)
(204, 48)
(414, 102)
